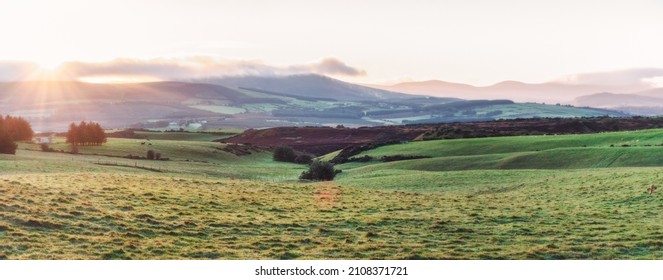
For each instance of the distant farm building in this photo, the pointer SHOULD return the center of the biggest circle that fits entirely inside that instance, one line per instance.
(173, 126)
(195, 126)
(43, 140)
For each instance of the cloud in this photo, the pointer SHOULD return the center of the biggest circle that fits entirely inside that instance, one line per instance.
(201, 67)
(329, 66)
(630, 77)
(174, 69)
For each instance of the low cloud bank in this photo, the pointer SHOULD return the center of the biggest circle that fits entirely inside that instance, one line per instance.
(174, 69)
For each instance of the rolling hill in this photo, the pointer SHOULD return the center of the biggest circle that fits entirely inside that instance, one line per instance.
(251, 102)
(612, 100)
(315, 86)
(551, 92)
(531, 197)
(646, 103)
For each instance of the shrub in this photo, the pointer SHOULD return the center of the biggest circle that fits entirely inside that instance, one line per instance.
(320, 171)
(150, 154)
(45, 148)
(7, 146)
(401, 157)
(365, 158)
(284, 153)
(157, 156)
(74, 149)
(304, 159)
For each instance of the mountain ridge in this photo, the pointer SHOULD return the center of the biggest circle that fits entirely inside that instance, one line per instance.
(550, 92)
(308, 85)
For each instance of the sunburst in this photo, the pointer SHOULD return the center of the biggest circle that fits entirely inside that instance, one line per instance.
(49, 65)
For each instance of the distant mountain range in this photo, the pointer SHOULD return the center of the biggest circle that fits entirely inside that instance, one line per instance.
(615, 100)
(253, 102)
(315, 86)
(648, 102)
(552, 92)
(631, 91)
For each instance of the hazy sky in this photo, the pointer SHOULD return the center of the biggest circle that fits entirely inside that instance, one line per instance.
(477, 42)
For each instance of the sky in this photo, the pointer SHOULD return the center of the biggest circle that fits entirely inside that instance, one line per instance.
(478, 42)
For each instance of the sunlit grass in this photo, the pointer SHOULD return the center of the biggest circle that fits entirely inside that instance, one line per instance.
(221, 206)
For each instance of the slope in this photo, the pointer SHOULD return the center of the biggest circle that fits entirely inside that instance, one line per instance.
(314, 86)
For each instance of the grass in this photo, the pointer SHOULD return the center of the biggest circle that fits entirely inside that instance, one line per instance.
(619, 149)
(474, 199)
(220, 109)
(521, 215)
(494, 145)
(184, 136)
(187, 158)
(529, 110)
(177, 150)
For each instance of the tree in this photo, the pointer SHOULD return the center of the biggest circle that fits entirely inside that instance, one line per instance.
(285, 154)
(7, 145)
(83, 133)
(72, 134)
(18, 128)
(320, 171)
(86, 133)
(99, 134)
(13, 129)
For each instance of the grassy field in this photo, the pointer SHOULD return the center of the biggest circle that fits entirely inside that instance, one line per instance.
(528, 110)
(220, 109)
(185, 136)
(618, 149)
(493, 198)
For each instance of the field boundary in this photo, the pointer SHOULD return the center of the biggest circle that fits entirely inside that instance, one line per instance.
(143, 167)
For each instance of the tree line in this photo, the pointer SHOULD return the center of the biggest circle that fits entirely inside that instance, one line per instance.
(13, 129)
(86, 134)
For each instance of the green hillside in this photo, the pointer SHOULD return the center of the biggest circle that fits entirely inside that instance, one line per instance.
(553, 152)
(186, 158)
(495, 145)
(529, 197)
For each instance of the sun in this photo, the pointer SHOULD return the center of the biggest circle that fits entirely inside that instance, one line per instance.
(47, 70)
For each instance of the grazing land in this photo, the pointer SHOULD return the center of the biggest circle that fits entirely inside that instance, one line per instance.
(522, 197)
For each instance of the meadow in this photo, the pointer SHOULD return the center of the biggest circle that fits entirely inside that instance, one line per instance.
(528, 197)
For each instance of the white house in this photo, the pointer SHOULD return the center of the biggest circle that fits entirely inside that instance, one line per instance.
(43, 140)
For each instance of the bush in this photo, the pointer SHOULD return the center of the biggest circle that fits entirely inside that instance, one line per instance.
(74, 149)
(157, 156)
(365, 158)
(45, 148)
(401, 157)
(284, 153)
(320, 171)
(150, 154)
(304, 159)
(7, 146)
